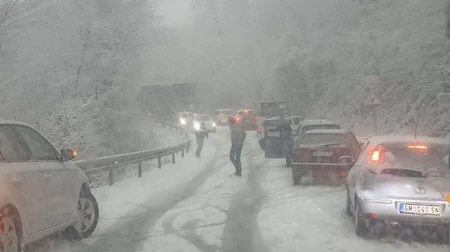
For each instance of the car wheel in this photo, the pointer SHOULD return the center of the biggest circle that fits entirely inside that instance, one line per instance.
(88, 214)
(359, 221)
(296, 176)
(348, 205)
(10, 238)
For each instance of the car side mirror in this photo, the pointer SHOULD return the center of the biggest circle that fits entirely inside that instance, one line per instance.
(346, 160)
(68, 154)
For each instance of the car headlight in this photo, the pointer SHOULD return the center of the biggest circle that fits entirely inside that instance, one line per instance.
(182, 121)
(196, 125)
(214, 124)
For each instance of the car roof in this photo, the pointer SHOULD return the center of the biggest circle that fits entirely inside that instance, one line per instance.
(2, 121)
(316, 121)
(327, 131)
(376, 140)
(240, 110)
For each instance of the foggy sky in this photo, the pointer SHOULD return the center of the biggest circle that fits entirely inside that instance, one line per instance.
(175, 12)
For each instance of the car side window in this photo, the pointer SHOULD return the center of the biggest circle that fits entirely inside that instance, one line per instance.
(11, 148)
(353, 140)
(40, 148)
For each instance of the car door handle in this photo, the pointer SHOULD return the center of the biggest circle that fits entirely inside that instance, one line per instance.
(17, 180)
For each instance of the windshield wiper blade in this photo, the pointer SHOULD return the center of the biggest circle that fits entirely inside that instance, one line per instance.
(328, 145)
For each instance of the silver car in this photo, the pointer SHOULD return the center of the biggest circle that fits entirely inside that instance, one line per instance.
(399, 181)
(209, 123)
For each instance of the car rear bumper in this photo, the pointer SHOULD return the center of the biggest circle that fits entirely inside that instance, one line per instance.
(319, 165)
(386, 210)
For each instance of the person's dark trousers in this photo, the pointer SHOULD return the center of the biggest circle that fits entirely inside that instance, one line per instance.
(287, 150)
(235, 157)
(199, 146)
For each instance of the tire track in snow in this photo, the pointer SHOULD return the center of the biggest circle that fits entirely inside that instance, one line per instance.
(127, 235)
(241, 232)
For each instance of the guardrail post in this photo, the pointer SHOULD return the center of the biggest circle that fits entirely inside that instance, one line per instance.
(182, 152)
(140, 169)
(173, 158)
(187, 147)
(159, 162)
(111, 176)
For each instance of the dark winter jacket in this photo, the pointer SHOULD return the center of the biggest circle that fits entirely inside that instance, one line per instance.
(201, 133)
(237, 135)
(285, 130)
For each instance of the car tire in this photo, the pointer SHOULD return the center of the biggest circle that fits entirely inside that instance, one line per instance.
(10, 236)
(88, 211)
(296, 176)
(359, 222)
(348, 205)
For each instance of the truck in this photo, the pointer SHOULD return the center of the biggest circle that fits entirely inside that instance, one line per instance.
(269, 138)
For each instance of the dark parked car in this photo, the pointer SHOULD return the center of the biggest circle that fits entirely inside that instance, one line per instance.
(318, 153)
(247, 118)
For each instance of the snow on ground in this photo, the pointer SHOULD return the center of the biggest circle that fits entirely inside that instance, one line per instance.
(312, 218)
(128, 199)
(198, 205)
(167, 136)
(197, 223)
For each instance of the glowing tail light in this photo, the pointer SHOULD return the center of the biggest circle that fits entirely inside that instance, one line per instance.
(259, 130)
(375, 155)
(418, 147)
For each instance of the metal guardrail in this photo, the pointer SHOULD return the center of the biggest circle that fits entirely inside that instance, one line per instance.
(111, 163)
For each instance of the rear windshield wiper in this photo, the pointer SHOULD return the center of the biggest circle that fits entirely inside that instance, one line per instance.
(330, 144)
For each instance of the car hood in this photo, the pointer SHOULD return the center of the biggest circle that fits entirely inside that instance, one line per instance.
(430, 187)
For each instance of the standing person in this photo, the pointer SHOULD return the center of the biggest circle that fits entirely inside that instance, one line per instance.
(237, 142)
(201, 134)
(286, 138)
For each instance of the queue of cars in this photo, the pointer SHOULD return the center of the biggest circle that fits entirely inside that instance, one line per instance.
(394, 184)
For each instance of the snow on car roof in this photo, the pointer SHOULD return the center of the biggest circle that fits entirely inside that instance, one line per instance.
(13, 122)
(326, 131)
(375, 140)
(316, 121)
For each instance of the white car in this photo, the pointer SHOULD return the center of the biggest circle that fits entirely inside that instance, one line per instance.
(41, 191)
(222, 115)
(210, 124)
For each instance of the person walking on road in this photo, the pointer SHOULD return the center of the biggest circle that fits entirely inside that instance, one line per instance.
(200, 134)
(286, 138)
(237, 143)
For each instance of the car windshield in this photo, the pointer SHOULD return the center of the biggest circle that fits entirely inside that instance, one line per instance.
(273, 109)
(202, 118)
(224, 112)
(318, 126)
(412, 160)
(148, 93)
(319, 139)
(296, 120)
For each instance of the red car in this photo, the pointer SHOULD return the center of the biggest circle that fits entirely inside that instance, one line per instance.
(247, 118)
(320, 153)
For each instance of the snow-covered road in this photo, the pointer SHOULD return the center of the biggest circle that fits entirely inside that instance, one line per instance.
(198, 205)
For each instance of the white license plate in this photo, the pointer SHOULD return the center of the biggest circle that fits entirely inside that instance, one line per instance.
(420, 209)
(322, 154)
